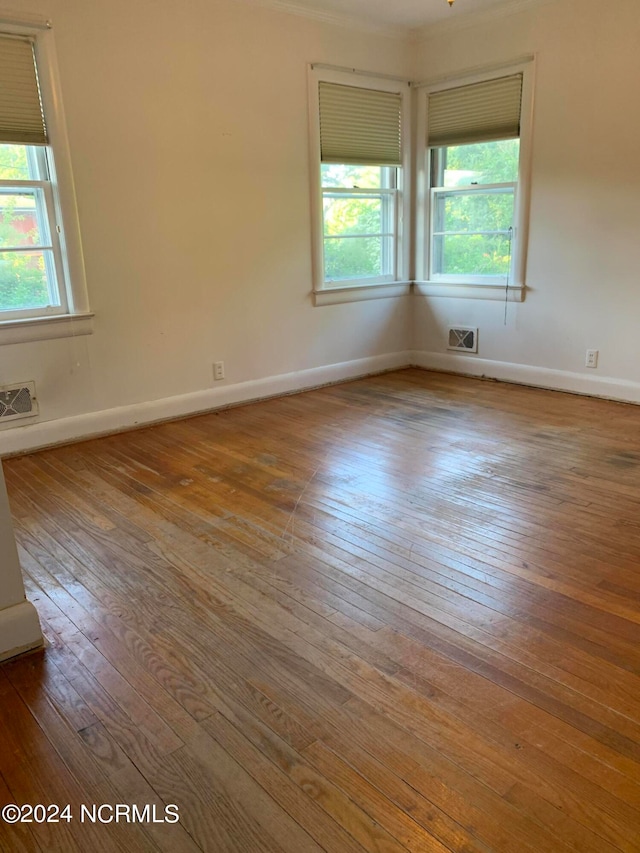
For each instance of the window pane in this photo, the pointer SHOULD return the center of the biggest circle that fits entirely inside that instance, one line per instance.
(474, 211)
(358, 177)
(23, 220)
(482, 163)
(26, 280)
(358, 257)
(18, 163)
(471, 254)
(353, 215)
(359, 227)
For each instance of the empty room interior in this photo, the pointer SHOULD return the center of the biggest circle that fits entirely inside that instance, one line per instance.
(319, 426)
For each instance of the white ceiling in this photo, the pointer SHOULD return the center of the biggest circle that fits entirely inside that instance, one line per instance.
(395, 14)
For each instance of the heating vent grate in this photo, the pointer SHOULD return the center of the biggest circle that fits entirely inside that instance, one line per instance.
(18, 401)
(463, 338)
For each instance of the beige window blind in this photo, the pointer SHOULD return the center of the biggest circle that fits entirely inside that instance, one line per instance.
(360, 125)
(21, 116)
(479, 112)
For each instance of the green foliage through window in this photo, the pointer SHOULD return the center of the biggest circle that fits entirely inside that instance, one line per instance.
(23, 282)
(23, 274)
(358, 222)
(472, 221)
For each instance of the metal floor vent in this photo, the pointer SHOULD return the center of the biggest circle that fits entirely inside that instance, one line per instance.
(464, 338)
(18, 401)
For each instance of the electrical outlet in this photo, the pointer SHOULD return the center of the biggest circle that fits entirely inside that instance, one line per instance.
(218, 370)
(592, 358)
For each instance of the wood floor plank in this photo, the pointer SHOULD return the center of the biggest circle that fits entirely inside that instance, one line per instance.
(344, 811)
(246, 744)
(402, 613)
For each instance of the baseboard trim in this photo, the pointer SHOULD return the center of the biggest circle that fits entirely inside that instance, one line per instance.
(36, 436)
(606, 387)
(19, 630)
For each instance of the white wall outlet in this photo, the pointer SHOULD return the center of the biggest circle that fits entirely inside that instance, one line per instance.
(218, 370)
(591, 359)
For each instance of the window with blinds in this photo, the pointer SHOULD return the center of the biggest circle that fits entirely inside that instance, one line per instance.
(469, 181)
(359, 123)
(35, 280)
(473, 136)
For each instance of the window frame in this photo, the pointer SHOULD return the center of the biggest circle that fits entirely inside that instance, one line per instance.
(346, 290)
(478, 286)
(73, 316)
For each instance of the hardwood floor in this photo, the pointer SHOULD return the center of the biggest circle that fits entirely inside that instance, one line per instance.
(396, 614)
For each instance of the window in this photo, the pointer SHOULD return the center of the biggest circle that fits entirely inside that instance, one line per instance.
(474, 215)
(358, 128)
(472, 209)
(470, 182)
(359, 206)
(41, 271)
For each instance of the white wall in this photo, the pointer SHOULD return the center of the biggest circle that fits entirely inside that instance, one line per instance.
(189, 141)
(19, 625)
(583, 263)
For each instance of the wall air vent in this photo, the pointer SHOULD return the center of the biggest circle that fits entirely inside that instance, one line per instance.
(18, 401)
(463, 339)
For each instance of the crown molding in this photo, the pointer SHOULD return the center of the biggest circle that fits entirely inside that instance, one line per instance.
(13, 17)
(462, 21)
(336, 19)
(474, 19)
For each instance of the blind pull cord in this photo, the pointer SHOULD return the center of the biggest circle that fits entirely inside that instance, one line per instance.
(506, 288)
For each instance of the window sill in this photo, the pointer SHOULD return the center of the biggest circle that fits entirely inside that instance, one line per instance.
(497, 292)
(45, 328)
(359, 292)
